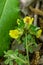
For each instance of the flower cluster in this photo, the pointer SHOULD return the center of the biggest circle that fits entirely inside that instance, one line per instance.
(28, 22)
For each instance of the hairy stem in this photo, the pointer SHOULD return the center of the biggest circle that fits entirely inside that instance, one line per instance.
(27, 51)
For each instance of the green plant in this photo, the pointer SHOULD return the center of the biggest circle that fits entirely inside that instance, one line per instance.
(25, 32)
(14, 55)
(9, 12)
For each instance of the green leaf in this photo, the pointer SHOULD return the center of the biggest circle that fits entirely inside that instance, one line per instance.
(2, 3)
(30, 40)
(10, 52)
(9, 13)
(21, 24)
(19, 58)
(33, 29)
(32, 48)
(11, 63)
(19, 62)
(6, 61)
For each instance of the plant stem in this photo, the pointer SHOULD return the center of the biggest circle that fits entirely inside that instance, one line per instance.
(27, 51)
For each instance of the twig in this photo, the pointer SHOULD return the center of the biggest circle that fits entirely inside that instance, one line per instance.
(41, 38)
(24, 6)
(36, 11)
(26, 3)
(36, 16)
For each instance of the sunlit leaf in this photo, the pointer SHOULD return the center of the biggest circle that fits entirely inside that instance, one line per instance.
(9, 12)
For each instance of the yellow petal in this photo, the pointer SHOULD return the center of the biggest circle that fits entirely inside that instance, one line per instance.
(38, 34)
(14, 33)
(31, 21)
(28, 20)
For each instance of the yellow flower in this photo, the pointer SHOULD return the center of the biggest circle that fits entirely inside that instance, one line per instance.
(15, 33)
(38, 34)
(28, 20)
